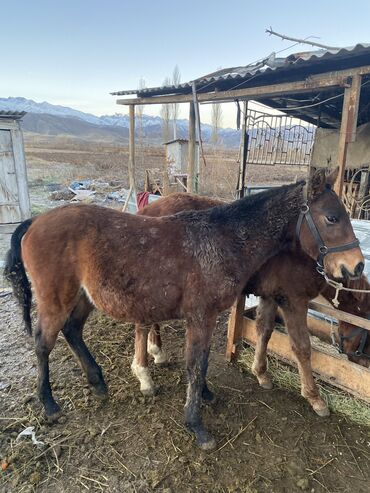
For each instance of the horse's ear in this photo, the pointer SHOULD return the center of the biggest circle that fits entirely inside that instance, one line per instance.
(332, 177)
(321, 181)
(317, 183)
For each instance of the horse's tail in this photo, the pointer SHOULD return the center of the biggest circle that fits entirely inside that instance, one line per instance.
(15, 273)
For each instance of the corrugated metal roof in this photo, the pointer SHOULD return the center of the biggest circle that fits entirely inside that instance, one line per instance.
(263, 67)
(13, 115)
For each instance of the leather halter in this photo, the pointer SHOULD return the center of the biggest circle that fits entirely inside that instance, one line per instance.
(323, 249)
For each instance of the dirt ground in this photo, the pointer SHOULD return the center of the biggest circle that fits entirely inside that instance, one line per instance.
(267, 441)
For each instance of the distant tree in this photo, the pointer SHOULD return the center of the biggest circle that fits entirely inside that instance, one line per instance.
(175, 107)
(166, 115)
(139, 114)
(216, 123)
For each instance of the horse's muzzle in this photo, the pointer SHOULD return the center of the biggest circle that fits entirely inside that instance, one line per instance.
(356, 274)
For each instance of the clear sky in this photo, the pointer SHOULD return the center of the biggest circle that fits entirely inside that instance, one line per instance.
(74, 52)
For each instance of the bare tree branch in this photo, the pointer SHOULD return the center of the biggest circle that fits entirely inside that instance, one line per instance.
(298, 40)
(139, 112)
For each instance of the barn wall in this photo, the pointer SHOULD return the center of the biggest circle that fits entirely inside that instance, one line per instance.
(325, 148)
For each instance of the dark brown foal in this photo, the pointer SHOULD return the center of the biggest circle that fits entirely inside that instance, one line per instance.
(287, 281)
(205, 259)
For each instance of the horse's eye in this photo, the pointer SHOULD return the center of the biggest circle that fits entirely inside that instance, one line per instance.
(332, 219)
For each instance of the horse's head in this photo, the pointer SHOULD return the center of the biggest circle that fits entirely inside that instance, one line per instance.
(325, 231)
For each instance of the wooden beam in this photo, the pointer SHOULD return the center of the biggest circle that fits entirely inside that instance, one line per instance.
(319, 328)
(234, 330)
(348, 128)
(8, 228)
(332, 368)
(322, 81)
(192, 150)
(340, 315)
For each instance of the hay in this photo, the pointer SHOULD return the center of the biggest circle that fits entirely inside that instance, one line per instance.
(286, 377)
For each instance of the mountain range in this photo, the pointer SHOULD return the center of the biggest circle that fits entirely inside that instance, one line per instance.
(54, 120)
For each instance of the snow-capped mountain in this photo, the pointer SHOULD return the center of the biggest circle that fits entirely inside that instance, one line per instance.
(38, 120)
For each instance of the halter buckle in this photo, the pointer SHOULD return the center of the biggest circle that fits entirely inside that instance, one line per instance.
(305, 208)
(323, 249)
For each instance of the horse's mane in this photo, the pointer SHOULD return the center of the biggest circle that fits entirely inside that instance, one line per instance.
(258, 204)
(261, 200)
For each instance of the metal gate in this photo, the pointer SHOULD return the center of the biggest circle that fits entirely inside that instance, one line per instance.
(278, 139)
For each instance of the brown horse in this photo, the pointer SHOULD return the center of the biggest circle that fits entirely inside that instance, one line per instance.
(85, 256)
(352, 340)
(289, 280)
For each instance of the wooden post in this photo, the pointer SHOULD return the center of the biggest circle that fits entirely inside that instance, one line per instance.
(192, 148)
(347, 127)
(131, 158)
(243, 152)
(235, 328)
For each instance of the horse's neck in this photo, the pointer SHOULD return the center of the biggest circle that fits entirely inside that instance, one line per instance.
(271, 227)
(262, 231)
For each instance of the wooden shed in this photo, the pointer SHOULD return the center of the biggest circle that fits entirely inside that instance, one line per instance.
(14, 198)
(177, 151)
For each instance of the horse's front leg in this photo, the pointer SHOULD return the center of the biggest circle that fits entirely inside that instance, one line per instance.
(265, 323)
(296, 323)
(155, 345)
(73, 332)
(140, 363)
(156, 350)
(198, 340)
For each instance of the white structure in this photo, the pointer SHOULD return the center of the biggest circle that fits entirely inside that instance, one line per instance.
(177, 156)
(14, 198)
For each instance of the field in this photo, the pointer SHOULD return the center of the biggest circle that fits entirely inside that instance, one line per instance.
(63, 160)
(267, 441)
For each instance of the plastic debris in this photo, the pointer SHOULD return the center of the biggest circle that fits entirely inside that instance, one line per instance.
(29, 431)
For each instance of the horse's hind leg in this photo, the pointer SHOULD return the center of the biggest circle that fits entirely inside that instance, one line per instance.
(72, 331)
(140, 363)
(155, 345)
(265, 323)
(296, 322)
(45, 336)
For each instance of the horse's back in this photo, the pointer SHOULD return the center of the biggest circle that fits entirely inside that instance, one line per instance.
(111, 256)
(178, 202)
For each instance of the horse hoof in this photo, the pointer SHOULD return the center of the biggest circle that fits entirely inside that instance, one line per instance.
(162, 364)
(208, 443)
(53, 414)
(267, 385)
(100, 394)
(99, 389)
(211, 401)
(323, 412)
(161, 359)
(148, 391)
(209, 397)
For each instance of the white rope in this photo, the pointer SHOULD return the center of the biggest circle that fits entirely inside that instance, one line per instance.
(338, 286)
